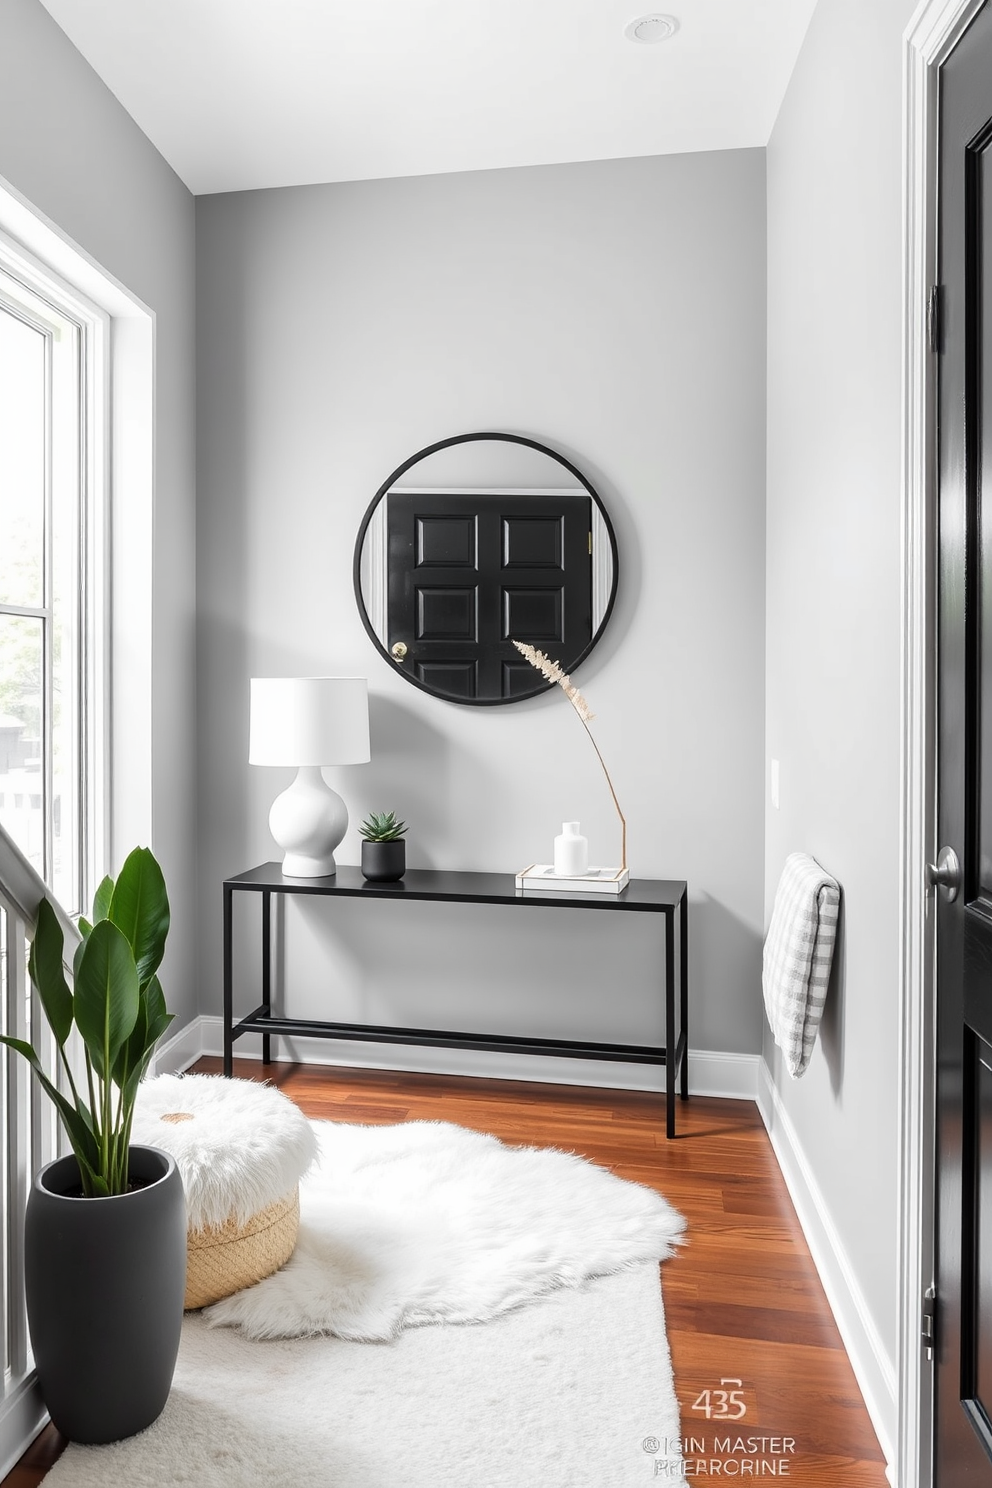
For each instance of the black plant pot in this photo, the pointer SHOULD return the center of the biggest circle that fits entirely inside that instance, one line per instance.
(384, 862)
(105, 1280)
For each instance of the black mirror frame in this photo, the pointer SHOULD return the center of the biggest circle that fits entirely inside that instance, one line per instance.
(432, 449)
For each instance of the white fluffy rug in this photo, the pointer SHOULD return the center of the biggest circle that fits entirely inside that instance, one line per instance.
(425, 1222)
(573, 1392)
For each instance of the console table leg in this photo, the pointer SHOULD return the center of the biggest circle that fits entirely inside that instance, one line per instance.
(266, 969)
(684, 990)
(228, 983)
(670, 1035)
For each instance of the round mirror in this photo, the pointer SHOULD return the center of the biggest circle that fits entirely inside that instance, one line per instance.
(477, 542)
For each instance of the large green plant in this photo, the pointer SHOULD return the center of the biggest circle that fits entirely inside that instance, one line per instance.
(116, 1004)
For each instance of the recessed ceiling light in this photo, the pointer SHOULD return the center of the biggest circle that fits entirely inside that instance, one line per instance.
(651, 28)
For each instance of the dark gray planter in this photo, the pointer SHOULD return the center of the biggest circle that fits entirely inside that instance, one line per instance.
(384, 862)
(105, 1280)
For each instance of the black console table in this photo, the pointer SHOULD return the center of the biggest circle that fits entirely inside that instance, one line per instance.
(665, 897)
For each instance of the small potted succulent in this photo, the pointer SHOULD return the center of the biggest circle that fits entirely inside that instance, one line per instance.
(384, 847)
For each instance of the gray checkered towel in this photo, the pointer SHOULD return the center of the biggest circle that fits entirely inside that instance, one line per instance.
(798, 951)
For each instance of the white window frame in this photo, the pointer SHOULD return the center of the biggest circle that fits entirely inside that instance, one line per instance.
(27, 288)
(128, 658)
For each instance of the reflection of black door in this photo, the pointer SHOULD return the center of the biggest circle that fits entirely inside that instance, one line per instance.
(963, 1415)
(470, 574)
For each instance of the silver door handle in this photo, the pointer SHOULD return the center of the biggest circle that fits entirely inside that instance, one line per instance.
(946, 873)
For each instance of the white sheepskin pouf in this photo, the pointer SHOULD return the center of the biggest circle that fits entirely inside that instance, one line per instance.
(241, 1149)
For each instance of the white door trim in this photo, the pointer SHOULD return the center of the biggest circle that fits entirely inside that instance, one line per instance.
(934, 30)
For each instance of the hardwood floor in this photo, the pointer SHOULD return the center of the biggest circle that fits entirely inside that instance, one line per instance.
(742, 1297)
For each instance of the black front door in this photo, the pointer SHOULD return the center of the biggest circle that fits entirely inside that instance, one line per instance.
(963, 1418)
(470, 574)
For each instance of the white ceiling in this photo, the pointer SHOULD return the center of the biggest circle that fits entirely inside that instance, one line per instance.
(239, 94)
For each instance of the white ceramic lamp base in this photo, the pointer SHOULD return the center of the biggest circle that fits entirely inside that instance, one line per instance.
(308, 822)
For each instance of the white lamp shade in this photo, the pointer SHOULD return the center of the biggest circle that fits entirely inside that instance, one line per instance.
(309, 721)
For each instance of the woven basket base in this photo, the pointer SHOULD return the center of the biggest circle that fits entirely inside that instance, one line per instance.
(222, 1259)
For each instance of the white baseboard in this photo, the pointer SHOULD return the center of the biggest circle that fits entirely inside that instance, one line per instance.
(180, 1051)
(22, 1415)
(734, 1076)
(873, 1368)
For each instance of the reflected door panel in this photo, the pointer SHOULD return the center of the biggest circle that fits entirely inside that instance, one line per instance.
(469, 574)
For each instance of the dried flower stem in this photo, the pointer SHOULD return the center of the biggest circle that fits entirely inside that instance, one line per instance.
(623, 820)
(554, 673)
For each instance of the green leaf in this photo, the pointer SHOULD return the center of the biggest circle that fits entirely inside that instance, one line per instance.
(152, 1021)
(20, 1047)
(137, 1074)
(157, 1029)
(106, 1000)
(135, 1045)
(132, 1048)
(85, 926)
(46, 970)
(154, 999)
(382, 826)
(102, 898)
(77, 1121)
(83, 1141)
(140, 908)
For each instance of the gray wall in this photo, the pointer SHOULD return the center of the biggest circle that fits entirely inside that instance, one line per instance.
(617, 311)
(68, 146)
(833, 582)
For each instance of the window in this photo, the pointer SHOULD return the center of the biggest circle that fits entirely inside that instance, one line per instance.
(52, 578)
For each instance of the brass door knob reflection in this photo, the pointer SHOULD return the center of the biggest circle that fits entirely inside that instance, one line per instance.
(398, 650)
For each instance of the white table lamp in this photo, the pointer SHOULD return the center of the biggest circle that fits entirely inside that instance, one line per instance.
(309, 722)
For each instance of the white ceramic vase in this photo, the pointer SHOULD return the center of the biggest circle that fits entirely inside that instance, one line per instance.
(571, 851)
